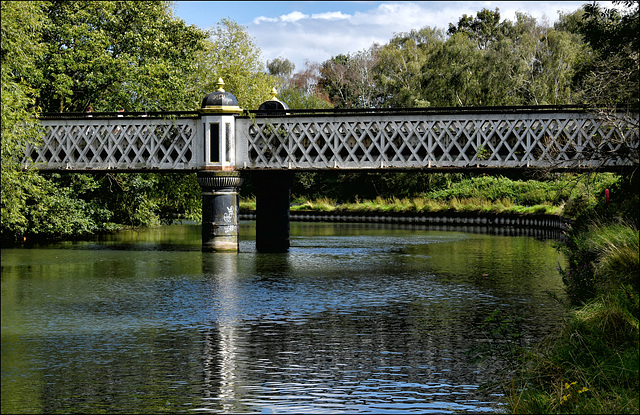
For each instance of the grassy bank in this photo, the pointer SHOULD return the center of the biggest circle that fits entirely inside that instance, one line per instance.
(591, 366)
(413, 205)
(562, 195)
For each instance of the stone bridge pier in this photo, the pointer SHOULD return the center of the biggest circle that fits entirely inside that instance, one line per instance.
(219, 210)
(220, 182)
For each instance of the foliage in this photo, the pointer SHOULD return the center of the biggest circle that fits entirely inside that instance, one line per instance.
(399, 64)
(281, 67)
(612, 77)
(484, 61)
(592, 365)
(351, 192)
(520, 63)
(348, 80)
(131, 55)
(231, 53)
(109, 55)
(22, 23)
(484, 29)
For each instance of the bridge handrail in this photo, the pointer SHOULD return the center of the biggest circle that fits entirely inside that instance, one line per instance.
(112, 114)
(513, 109)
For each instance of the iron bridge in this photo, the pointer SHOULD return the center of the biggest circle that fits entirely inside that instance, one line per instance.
(547, 137)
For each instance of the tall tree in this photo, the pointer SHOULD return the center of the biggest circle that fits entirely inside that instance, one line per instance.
(484, 29)
(615, 37)
(134, 55)
(231, 53)
(613, 78)
(450, 76)
(22, 23)
(399, 67)
(349, 80)
(302, 91)
(110, 54)
(30, 204)
(281, 68)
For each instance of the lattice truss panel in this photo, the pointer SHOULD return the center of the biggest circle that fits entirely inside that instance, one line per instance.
(557, 140)
(127, 144)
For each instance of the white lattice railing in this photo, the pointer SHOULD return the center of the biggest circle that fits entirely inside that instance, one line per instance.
(463, 140)
(141, 143)
(373, 140)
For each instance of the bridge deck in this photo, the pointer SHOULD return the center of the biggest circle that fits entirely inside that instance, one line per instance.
(497, 138)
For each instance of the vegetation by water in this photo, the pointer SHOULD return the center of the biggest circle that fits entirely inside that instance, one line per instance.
(558, 194)
(591, 365)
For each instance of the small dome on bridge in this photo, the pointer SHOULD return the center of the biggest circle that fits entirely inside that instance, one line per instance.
(274, 103)
(220, 101)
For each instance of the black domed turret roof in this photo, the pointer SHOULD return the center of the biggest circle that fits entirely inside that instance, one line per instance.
(220, 101)
(273, 104)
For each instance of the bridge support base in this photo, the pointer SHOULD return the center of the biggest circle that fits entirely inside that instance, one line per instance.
(273, 196)
(219, 210)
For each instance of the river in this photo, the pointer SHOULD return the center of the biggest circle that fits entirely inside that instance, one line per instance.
(356, 318)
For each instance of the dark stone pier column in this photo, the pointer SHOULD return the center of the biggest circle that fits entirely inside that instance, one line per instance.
(273, 194)
(219, 210)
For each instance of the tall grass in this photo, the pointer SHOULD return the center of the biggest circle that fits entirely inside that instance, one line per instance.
(592, 365)
(490, 194)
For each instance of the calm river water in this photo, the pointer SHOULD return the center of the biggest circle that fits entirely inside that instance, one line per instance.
(356, 318)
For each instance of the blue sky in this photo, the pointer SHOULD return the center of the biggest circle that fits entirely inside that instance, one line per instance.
(318, 30)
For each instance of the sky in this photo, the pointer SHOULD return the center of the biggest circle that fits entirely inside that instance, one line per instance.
(319, 30)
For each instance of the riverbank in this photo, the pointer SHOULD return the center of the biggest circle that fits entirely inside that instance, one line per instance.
(537, 226)
(592, 364)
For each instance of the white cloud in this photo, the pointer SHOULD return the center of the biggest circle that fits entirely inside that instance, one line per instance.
(293, 17)
(285, 18)
(330, 16)
(261, 19)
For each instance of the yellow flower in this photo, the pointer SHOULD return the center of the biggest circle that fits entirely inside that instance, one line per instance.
(583, 390)
(567, 386)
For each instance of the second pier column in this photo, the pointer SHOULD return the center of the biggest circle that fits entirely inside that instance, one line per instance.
(273, 194)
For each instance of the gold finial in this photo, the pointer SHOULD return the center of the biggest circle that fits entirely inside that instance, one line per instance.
(220, 85)
(274, 92)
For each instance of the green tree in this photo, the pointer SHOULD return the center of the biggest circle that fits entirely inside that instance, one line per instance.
(399, 66)
(348, 80)
(487, 63)
(109, 54)
(231, 53)
(132, 55)
(22, 23)
(302, 90)
(31, 204)
(614, 35)
(484, 29)
(450, 75)
(282, 69)
(297, 90)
